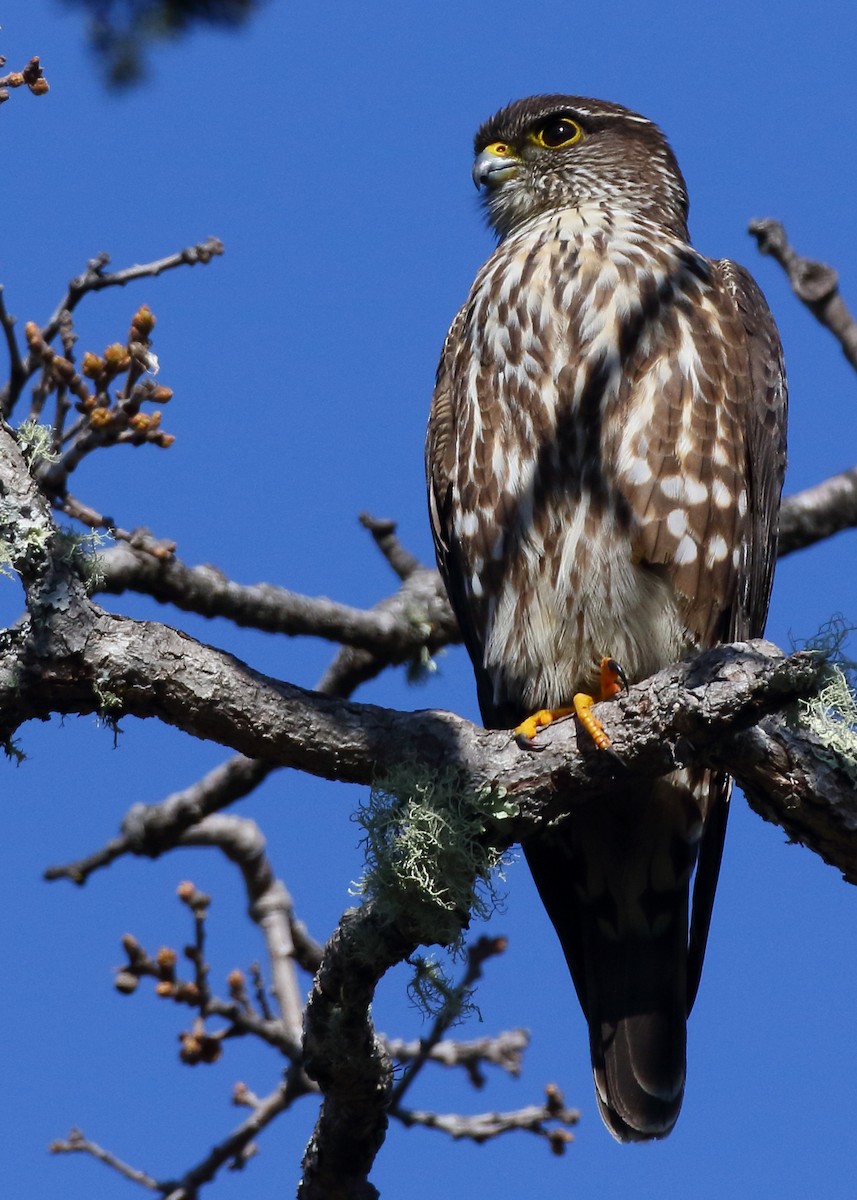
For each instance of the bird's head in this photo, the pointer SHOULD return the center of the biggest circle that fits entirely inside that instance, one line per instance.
(549, 153)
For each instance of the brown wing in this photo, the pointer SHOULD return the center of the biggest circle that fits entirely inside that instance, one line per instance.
(765, 448)
(702, 467)
(441, 451)
(764, 403)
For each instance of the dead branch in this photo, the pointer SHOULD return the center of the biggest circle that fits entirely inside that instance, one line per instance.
(94, 279)
(536, 1118)
(422, 619)
(818, 512)
(814, 283)
(504, 1050)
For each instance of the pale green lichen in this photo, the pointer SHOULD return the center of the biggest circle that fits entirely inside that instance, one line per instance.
(37, 443)
(24, 536)
(422, 666)
(428, 863)
(105, 697)
(832, 717)
(82, 550)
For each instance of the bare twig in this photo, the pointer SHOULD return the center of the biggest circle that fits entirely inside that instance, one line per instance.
(78, 1143)
(232, 1150)
(481, 1127)
(384, 533)
(477, 954)
(814, 283)
(17, 373)
(422, 619)
(150, 829)
(504, 1050)
(94, 279)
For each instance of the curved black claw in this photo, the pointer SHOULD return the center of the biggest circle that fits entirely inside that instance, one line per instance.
(618, 670)
(527, 743)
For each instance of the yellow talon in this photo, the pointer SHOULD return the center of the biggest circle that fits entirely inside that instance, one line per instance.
(612, 682)
(613, 678)
(528, 729)
(582, 707)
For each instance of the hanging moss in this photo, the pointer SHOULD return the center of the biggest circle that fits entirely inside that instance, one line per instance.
(427, 861)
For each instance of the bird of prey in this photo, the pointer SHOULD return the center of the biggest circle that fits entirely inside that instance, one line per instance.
(605, 457)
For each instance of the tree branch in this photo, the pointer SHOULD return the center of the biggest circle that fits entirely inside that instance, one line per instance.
(94, 279)
(484, 1126)
(356, 1084)
(818, 512)
(814, 283)
(422, 618)
(235, 1148)
(504, 1050)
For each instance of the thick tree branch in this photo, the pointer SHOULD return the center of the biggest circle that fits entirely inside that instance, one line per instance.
(150, 670)
(353, 1119)
(71, 657)
(416, 621)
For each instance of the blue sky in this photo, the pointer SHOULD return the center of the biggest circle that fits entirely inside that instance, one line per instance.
(329, 147)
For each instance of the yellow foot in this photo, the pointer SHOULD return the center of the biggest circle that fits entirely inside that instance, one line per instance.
(527, 730)
(583, 710)
(613, 678)
(612, 681)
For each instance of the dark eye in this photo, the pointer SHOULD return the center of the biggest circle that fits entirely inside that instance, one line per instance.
(557, 132)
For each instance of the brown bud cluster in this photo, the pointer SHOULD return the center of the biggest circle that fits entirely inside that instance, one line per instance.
(34, 78)
(190, 895)
(558, 1140)
(199, 1047)
(142, 324)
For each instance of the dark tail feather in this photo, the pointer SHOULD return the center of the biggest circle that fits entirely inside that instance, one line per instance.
(636, 1008)
(623, 927)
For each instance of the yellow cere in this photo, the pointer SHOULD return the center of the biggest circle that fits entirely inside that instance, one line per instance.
(500, 150)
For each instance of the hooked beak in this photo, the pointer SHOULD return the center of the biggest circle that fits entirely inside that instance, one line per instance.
(495, 165)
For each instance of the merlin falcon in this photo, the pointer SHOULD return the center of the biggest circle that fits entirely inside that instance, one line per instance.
(605, 457)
